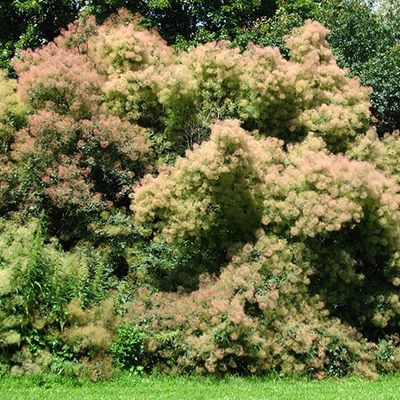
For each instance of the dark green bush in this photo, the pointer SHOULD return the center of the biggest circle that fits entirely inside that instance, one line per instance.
(383, 74)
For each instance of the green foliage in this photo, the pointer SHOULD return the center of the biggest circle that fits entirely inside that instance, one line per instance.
(339, 359)
(37, 282)
(127, 350)
(168, 266)
(38, 285)
(184, 23)
(390, 9)
(370, 35)
(382, 73)
(12, 111)
(30, 23)
(388, 354)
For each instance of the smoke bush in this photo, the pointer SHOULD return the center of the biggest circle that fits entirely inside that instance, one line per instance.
(55, 79)
(256, 317)
(330, 203)
(287, 99)
(123, 48)
(384, 154)
(211, 199)
(236, 208)
(338, 218)
(78, 167)
(348, 210)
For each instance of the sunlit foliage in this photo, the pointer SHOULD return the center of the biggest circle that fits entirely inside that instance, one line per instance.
(210, 210)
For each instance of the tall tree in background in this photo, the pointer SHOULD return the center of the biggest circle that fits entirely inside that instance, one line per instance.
(191, 21)
(389, 8)
(30, 23)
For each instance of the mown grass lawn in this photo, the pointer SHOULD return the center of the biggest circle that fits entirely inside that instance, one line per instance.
(171, 388)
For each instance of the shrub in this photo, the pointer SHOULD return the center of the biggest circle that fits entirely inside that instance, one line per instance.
(288, 99)
(210, 199)
(37, 281)
(122, 48)
(202, 88)
(127, 349)
(77, 169)
(49, 299)
(349, 210)
(361, 36)
(338, 220)
(384, 154)
(388, 355)
(88, 335)
(256, 317)
(89, 331)
(76, 35)
(309, 94)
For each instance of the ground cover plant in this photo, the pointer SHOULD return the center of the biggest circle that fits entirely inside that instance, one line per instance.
(214, 210)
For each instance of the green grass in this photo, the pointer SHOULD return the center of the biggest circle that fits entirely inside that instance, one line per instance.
(171, 388)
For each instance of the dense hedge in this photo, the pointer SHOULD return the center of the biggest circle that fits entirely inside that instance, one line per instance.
(208, 210)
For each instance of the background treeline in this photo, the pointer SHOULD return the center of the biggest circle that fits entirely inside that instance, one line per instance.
(364, 33)
(216, 209)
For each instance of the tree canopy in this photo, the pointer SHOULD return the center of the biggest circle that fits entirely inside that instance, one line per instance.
(31, 23)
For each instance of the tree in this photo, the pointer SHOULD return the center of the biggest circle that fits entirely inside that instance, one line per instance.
(390, 9)
(188, 22)
(31, 23)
